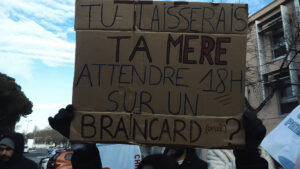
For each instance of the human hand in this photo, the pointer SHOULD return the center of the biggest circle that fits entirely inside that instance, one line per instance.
(254, 128)
(62, 120)
(255, 131)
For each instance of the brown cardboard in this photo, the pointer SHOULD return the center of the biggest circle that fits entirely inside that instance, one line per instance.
(107, 127)
(192, 17)
(140, 81)
(208, 131)
(103, 15)
(218, 90)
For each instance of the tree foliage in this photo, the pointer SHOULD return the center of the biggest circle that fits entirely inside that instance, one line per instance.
(13, 103)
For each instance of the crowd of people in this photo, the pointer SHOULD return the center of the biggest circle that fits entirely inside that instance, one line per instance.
(183, 158)
(87, 156)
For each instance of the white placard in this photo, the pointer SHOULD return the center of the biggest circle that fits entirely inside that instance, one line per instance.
(119, 156)
(283, 143)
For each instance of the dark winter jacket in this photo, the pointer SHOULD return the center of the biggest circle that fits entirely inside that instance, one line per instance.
(86, 157)
(249, 159)
(192, 161)
(18, 161)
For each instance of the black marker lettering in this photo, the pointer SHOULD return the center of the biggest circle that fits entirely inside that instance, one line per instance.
(85, 124)
(85, 67)
(104, 127)
(114, 19)
(170, 104)
(133, 104)
(179, 40)
(135, 125)
(155, 12)
(221, 51)
(221, 19)
(165, 129)
(207, 46)
(121, 128)
(150, 129)
(178, 130)
(118, 44)
(143, 49)
(145, 102)
(188, 50)
(191, 131)
(175, 16)
(207, 19)
(109, 98)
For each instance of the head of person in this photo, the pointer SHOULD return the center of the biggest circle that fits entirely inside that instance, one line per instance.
(7, 147)
(158, 161)
(176, 153)
(11, 147)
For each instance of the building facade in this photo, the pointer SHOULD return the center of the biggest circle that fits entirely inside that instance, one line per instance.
(273, 62)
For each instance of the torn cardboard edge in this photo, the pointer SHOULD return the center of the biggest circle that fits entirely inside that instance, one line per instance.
(158, 129)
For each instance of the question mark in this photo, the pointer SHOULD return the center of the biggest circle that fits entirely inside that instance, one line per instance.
(236, 131)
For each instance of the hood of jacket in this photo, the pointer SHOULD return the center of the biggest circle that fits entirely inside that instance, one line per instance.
(192, 161)
(19, 146)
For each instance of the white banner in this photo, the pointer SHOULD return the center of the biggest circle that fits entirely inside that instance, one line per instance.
(119, 156)
(283, 143)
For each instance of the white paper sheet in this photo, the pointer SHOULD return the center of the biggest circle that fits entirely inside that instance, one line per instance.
(283, 143)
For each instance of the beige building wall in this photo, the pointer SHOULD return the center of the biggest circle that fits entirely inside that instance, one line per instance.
(262, 64)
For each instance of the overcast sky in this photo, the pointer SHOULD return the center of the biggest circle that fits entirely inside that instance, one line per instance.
(37, 48)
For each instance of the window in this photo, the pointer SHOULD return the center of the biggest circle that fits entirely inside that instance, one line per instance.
(273, 27)
(287, 102)
(286, 99)
(278, 40)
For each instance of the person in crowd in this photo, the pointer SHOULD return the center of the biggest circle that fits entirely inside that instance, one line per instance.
(248, 158)
(95, 156)
(158, 161)
(85, 155)
(186, 158)
(11, 153)
(225, 159)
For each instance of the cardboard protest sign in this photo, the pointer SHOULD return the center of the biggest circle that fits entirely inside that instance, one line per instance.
(160, 88)
(283, 142)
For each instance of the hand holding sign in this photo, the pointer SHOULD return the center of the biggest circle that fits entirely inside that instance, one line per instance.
(255, 132)
(62, 120)
(84, 154)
